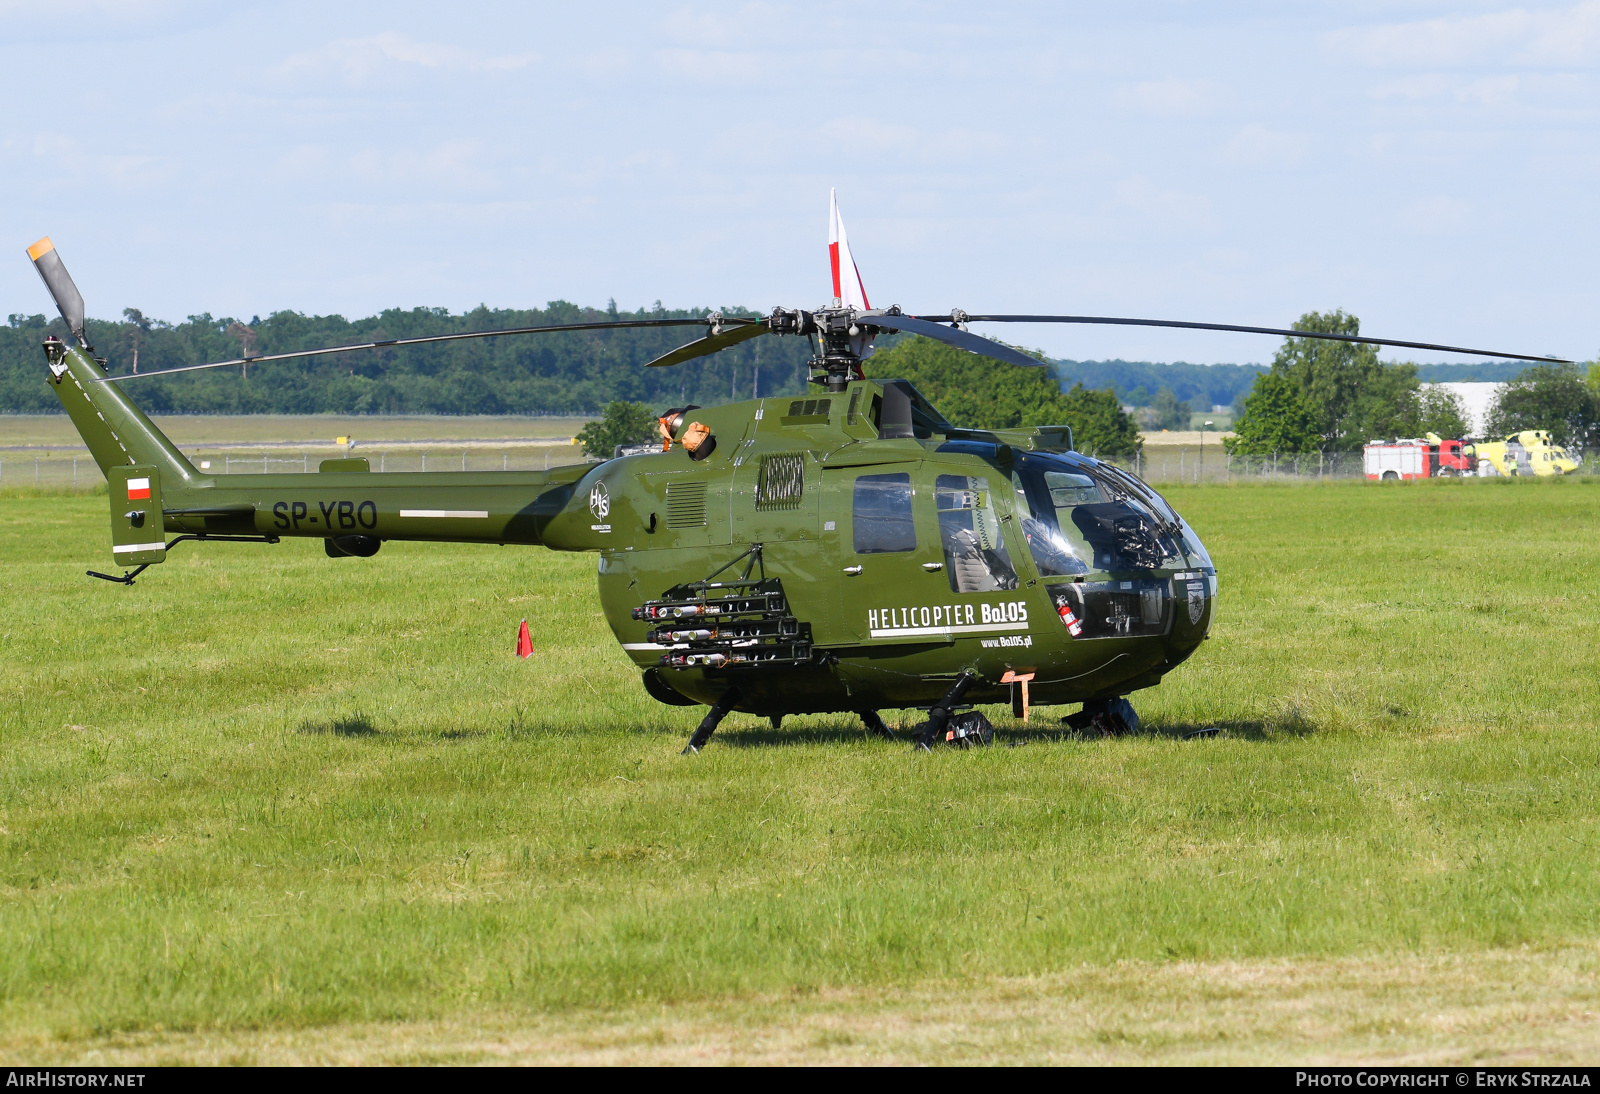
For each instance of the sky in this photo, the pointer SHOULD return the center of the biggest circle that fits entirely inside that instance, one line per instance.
(1429, 167)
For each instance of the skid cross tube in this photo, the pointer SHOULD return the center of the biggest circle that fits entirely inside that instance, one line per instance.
(708, 724)
(127, 578)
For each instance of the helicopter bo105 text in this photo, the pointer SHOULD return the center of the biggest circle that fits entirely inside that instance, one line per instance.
(847, 551)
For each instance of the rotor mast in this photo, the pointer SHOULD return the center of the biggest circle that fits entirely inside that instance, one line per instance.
(840, 342)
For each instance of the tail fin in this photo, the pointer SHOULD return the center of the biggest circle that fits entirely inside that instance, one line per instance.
(117, 432)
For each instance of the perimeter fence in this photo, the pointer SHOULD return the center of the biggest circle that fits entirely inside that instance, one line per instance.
(1175, 464)
(1157, 464)
(67, 469)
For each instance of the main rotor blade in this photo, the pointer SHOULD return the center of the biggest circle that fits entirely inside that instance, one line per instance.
(1102, 319)
(384, 343)
(954, 336)
(713, 343)
(47, 260)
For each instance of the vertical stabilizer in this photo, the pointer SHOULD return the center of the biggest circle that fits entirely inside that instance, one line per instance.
(137, 535)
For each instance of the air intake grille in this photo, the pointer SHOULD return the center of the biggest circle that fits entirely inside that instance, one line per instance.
(686, 505)
(783, 480)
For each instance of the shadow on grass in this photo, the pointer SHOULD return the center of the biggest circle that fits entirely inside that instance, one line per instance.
(351, 725)
(1291, 724)
(1231, 729)
(1237, 730)
(833, 733)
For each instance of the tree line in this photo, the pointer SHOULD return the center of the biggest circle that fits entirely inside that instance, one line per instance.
(575, 373)
(1166, 395)
(1322, 396)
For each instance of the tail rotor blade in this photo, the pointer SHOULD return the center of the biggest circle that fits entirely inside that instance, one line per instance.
(47, 260)
(711, 343)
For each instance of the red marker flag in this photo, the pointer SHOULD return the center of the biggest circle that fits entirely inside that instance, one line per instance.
(524, 641)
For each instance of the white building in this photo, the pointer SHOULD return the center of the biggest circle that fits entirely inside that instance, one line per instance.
(1476, 399)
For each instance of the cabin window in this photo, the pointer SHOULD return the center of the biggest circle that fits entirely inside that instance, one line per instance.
(975, 556)
(880, 515)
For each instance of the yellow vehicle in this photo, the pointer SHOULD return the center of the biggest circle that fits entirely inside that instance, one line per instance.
(1530, 452)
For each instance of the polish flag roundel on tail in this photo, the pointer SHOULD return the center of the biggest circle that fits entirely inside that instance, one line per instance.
(847, 286)
(138, 489)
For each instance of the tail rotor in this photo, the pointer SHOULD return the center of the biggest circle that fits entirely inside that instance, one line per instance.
(47, 260)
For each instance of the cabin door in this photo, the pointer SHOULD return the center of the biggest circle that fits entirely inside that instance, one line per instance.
(880, 530)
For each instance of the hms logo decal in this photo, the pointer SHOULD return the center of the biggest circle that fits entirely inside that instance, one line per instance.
(600, 507)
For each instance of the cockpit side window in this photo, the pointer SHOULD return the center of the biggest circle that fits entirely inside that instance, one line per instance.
(975, 555)
(1056, 549)
(880, 515)
(1080, 524)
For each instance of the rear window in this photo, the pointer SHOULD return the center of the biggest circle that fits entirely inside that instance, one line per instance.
(880, 514)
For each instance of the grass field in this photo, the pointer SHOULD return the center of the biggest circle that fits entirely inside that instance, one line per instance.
(265, 806)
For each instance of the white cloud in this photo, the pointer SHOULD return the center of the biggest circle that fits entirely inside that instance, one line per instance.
(751, 23)
(358, 59)
(722, 66)
(1414, 88)
(83, 22)
(1258, 146)
(1167, 209)
(452, 166)
(1170, 98)
(1491, 91)
(1438, 215)
(1565, 36)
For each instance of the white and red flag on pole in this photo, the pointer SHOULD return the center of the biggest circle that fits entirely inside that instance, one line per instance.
(847, 286)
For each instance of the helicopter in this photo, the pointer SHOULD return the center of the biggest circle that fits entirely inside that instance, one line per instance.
(847, 551)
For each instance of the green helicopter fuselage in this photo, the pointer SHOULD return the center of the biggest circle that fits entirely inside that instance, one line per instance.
(846, 551)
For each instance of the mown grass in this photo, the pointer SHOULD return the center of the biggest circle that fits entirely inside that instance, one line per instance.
(263, 790)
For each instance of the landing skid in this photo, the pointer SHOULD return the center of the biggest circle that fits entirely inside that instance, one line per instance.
(127, 577)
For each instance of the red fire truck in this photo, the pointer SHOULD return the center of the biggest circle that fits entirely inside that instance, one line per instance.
(1418, 458)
